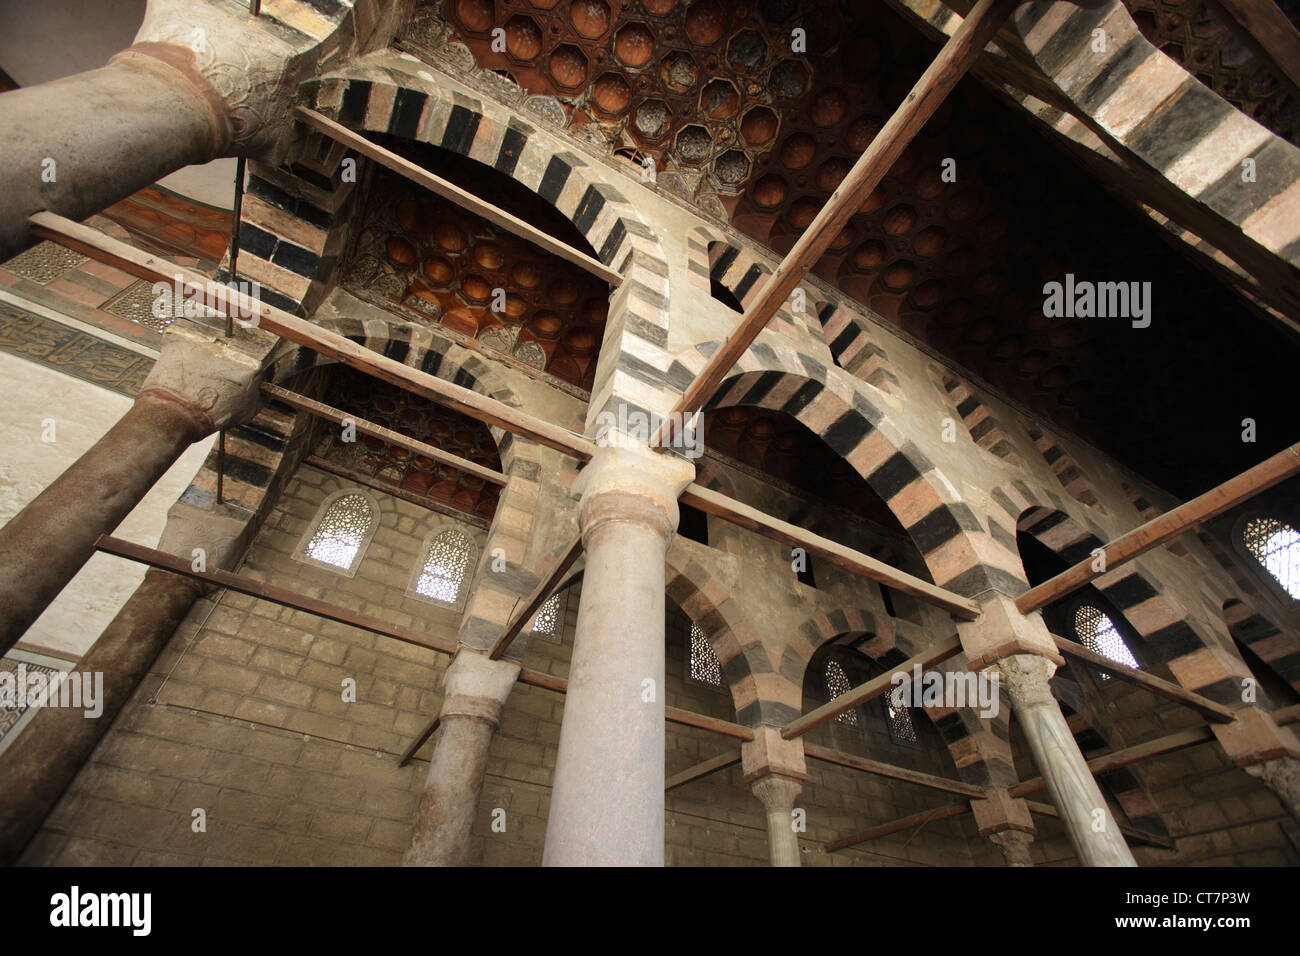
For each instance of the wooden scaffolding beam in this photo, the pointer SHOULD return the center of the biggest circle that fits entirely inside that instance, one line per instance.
(1211, 711)
(721, 762)
(339, 417)
(538, 597)
(1166, 527)
(466, 200)
(879, 769)
(897, 826)
(872, 689)
(948, 67)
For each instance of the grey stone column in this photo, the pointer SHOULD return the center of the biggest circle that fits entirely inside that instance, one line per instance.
(607, 805)
(1282, 776)
(778, 795)
(1014, 845)
(474, 693)
(198, 385)
(77, 145)
(1082, 809)
(38, 767)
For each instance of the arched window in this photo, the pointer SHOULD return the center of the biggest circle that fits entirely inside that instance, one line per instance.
(548, 621)
(1275, 545)
(837, 683)
(1097, 633)
(901, 728)
(705, 667)
(447, 558)
(343, 528)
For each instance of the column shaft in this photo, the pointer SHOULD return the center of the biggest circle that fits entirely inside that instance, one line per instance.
(79, 144)
(1088, 821)
(47, 543)
(777, 795)
(607, 807)
(38, 767)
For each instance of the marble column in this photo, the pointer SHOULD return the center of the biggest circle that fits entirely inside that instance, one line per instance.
(199, 384)
(474, 693)
(37, 768)
(607, 805)
(1282, 776)
(1088, 821)
(778, 794)
(1014, 845)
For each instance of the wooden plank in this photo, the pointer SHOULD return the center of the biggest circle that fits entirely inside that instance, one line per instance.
(1267, 29)
(870, 690)
(1166, 527)
(1286, 715)
(703, 769)
(1129, 755)
(223, 299)
(897, 826)
(866, 765)
(537, 599)
(1207, 708)
(1133, 833)
(270, 592)
(711, 502)
(338, 416)
(418, 742)
(466, 200)
(948, 67)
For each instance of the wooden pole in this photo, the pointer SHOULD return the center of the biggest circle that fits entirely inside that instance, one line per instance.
(536, 599)
(949, 66)
(466, 200)
(866, 765)
(1166, 527)
(1266, 27)
(742, 515)
(902, 823)
(703, 769)
(1129, 755)
(418, 742)
(1211, 711)
(870, 690)
(339, 417)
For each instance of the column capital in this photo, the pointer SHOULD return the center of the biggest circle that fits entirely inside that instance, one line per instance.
(1026, 677)
(1001, 630)
(217, 380)
(1014, 845)
(476, 686)
(771, 754)
(626, 481)
(776, 792)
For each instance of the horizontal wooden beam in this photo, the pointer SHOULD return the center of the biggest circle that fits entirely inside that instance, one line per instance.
(879, 769)
(703, 769)
(872, 689)
(947, 68)
(742, 515)
(270, 592)
(229, 301)
(1166, 527)
(340, 417)
(1133, 833)
(1267, 28)
(466, 200)
(1129, 755)
(897, 826)
(1211, 711)
(535, 600)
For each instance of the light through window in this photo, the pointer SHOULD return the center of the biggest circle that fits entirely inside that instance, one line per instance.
(900, 722)
(1098, 634)
(341, 532)
(704, 663)
(837, 683)
(547, 622)
(443, 574)
(1276, 546)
